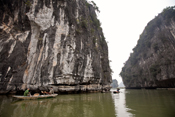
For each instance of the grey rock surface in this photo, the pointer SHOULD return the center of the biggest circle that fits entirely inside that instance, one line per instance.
(152, 63)
(56, 43)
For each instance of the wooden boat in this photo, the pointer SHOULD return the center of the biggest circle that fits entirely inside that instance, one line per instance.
(35, 97)
(116, 91)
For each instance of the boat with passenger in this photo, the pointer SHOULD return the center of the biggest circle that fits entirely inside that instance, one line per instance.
(33, 97)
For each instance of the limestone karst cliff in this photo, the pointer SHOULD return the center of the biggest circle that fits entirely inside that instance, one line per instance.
(55, 43)
(152, 63)
(114, 83)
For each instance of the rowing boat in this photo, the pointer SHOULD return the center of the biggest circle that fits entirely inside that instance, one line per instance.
(116, 92)
(35, 97)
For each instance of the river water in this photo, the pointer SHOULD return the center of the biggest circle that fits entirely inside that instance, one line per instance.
(128, 103)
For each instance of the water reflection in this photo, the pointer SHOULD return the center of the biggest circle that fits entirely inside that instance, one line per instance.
(144, 103)
(128, 103)
(154, 103)
(120, 104)
(79, 105)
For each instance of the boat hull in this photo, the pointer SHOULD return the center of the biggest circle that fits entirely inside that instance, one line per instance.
(35, 97)
(116, 92)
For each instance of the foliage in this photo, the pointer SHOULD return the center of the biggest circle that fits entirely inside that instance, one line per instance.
(151, 26)
(28, 3)
(103, 38)
(162, 36)
(78, 21)
(78, 31)
(144, 55)
(97, 23)
(84, 23)
(95, 6)
(154, 70)
(87, 4)
(92, 31)
(155, 47)
(133, 58)
(168, 14)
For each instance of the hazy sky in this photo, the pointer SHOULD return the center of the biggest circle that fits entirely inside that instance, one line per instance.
(123, 21)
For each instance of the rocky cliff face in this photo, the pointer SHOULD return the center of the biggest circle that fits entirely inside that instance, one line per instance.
(52, 42)
(152, 62)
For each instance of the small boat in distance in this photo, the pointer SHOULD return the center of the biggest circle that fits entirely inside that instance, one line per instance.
(116, 92)
(35, 97)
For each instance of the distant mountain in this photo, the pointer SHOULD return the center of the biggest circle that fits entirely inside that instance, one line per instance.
(121, 84)
(114, 83)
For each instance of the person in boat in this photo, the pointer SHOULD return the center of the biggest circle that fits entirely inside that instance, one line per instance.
(118, 90)
(27, 93)
(51, 91)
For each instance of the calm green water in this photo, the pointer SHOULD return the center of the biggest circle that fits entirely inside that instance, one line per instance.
(129, 103)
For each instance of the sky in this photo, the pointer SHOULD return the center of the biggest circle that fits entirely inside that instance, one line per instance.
(122, 22)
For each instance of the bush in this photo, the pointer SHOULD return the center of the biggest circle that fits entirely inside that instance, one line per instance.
(155, 47)
(92, 30)
(154, 70)
(28, 3)
(95, 6)
(84, 24)
(97, 23)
